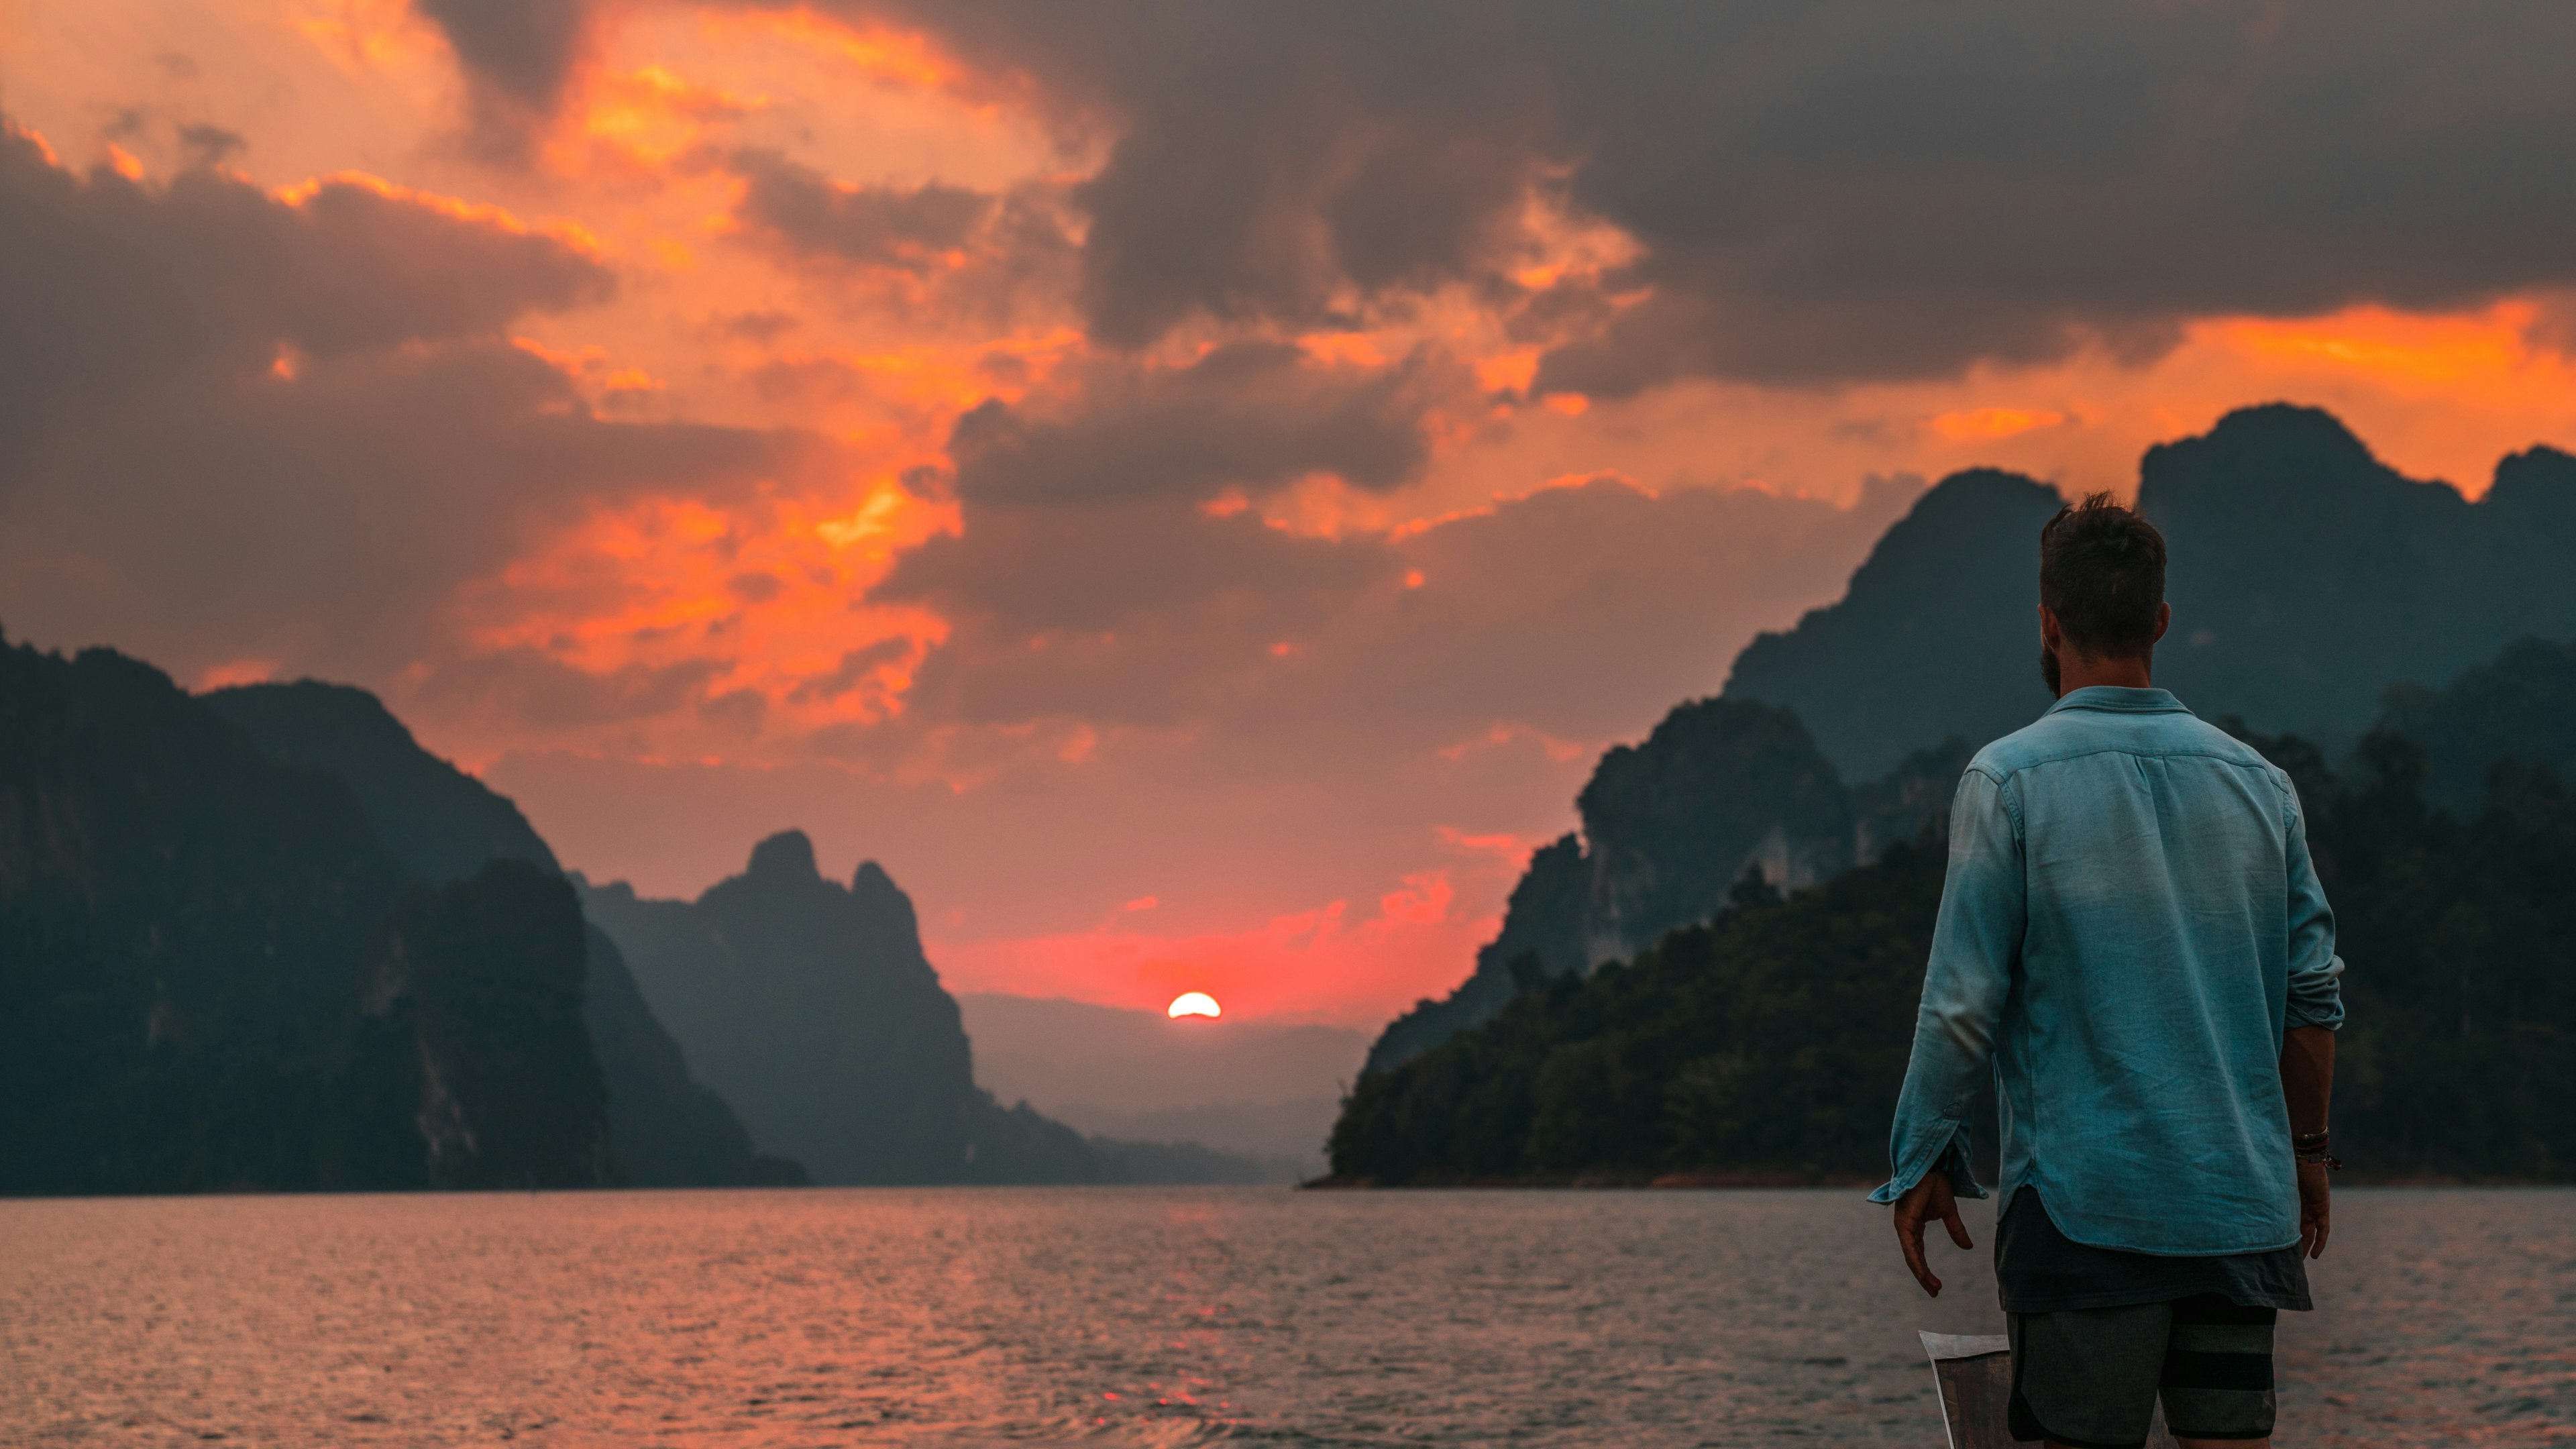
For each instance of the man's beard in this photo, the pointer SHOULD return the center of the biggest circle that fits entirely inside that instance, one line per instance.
(2048, 670)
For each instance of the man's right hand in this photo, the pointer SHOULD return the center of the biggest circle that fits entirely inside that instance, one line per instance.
(1930, 1199)
(2315, 1209)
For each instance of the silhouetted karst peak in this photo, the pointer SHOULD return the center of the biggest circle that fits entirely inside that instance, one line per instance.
(2286, 446)
(812, 1007)
(1670, 827)
(788, 855)
(1936, 636)
(440, 822)
(2535, 486)
(873, 886)
(2306, 575)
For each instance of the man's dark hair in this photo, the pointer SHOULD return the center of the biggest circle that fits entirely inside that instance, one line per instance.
(2102, 573)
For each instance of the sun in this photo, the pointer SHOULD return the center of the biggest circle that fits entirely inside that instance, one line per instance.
(1194, 1003)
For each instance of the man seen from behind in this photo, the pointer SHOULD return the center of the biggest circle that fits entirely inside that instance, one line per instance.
(2133, 948)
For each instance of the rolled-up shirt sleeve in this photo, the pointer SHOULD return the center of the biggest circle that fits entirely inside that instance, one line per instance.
(1975, 942)
(2316, 987)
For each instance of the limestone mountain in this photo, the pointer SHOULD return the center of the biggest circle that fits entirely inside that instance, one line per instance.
(1935, 636)
(444, 826)
(440, 822)
(214, 975)
(810, 1005)
(2306, 576)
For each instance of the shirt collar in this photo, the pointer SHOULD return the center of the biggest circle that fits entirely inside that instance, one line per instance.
(2120, 701)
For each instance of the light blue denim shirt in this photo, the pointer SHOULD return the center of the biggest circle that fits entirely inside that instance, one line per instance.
(2129, 925)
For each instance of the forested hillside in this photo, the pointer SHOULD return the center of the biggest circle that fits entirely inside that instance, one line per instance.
(1669, 827)
(1764, 1047)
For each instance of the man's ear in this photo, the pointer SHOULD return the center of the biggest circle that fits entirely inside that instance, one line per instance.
(2164, 620)
(2048, 631)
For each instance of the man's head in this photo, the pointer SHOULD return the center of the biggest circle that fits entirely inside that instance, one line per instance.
(2101, 591)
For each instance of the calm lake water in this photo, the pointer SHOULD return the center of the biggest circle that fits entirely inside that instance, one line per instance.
(1161, 1317)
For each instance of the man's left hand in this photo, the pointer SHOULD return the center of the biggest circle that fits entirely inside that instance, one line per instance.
(2316, 1210)
(1922, 1203)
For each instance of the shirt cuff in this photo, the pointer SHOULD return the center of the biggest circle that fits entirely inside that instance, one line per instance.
(2329, 1015)
(1944, 1146)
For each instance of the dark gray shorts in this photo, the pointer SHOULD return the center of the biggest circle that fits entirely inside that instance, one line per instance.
(2090, 1377)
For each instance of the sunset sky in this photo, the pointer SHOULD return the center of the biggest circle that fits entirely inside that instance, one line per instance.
(1189, 489)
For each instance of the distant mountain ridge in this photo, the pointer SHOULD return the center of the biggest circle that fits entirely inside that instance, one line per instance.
(812, 1007)
(1260, 1089)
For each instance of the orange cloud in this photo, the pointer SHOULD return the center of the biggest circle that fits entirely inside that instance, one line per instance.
(478, 213)
(235, 671)
(365, 35)
(1976, 424)
(884, 55)
(770, 592)
(649, 116)
(2435, 352)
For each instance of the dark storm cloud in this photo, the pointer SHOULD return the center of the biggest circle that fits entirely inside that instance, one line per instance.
(1031, 571)
(1252, 415)
(1832, 191)
(886, 226)
(519, 55)
(107, 286)
(205, 146)
(232, 425)
(1579, 610)
(974, 256)
(332, 519)
(1270, 159)
(1846, 190)
(857, 667)
(1137, 612)
(524, 686)
(524, 48)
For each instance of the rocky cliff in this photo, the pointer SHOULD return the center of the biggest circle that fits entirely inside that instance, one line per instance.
(443, 827)
(1670, 826)
(810, 1005)
(1936, 635)
(213, 975)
